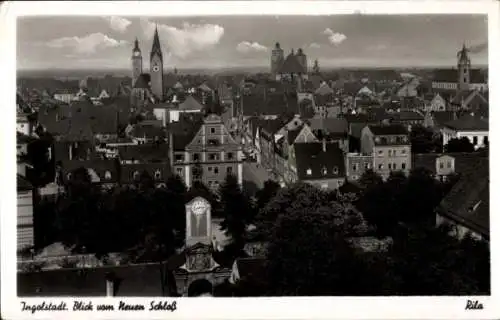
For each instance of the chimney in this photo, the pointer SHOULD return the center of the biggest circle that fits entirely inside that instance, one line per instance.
(110, 284)
(324, 144)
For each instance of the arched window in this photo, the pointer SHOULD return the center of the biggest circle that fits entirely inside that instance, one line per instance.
(324, 171)
(335, 170)
(68, 176)
(157, 174)
(107, 175)
(136, 175)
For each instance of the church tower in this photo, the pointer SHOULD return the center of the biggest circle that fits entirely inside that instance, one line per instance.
(136, 62)
(464, 67)
(156, 67)
(277, 58)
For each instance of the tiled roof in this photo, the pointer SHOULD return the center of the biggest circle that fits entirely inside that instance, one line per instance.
(330, 125)
(98, 166)
(144, 152)
(391, 129)
(407, 116)
(442, 117)
(23, 184)
(270, 104)
(477, 76)
(184, 131)
(190, 103)
(324, 89)
(445, 75)
(326, 164)
(468, 122)
(142, 81)
(205, 88)
(137, 280)
(468, 202)
(149, 131)
(464, 162)
(461, 95)
(128, 171)
(292, 135)
(271, 126)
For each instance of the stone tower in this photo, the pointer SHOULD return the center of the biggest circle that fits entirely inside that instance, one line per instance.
(302, 59)
(464, 66)
(277, 58)
(156, 67)
(136, 62)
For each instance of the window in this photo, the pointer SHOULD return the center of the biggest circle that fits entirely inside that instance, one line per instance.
(308, 172)
(178, 171)
(354, 177)
(196, 157)
(448, 164)
(179, 158)
(136, 175)
(367, 166)
(390, 153)
(380, 152)
(485, 140)
(474, 140)
(213, 156)
(335, 170)
(216, 170)
(324, 171)
(354, 167)
(212, 130)
(209, 169)
(390, 166)
(157, 175)
(403, 151)
(441, 165)
(403, 165)
(381, 166)
(229, 155)
(229, 170)
(68, 176)
(394, 166)
(107, 175)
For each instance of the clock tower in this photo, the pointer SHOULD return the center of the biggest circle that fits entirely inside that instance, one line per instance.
(136, 62)
(156, 67)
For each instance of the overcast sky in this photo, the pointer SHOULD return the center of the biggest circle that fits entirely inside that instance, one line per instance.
(194, 42)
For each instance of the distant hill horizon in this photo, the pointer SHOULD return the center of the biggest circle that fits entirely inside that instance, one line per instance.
(98, 73)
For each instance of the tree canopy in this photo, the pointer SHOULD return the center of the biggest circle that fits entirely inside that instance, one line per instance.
(459, 145)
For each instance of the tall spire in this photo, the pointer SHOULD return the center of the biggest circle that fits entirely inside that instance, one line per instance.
(136, 44)
(156, 49)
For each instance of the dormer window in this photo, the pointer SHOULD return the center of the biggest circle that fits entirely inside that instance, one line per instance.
(324, 171)
(107, 175)
(68, 176)
(157, 174)
(309, 172)
(448, 164)
(136, 175)
(377, 139)
(335, 170)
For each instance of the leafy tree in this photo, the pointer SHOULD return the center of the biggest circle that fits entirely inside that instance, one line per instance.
(459, 145)
(309, 254)
(265, 194)
(423, 140)
(235, 210)
(369, 179)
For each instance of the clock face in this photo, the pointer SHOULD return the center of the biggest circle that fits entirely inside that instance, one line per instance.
(156, 68)
(137, 53)
(198, 208)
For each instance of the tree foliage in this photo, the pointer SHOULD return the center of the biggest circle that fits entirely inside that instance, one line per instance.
(424, 140)
(459, 145)
(236, 211)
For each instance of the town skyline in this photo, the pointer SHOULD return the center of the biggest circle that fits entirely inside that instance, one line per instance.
(226, 42)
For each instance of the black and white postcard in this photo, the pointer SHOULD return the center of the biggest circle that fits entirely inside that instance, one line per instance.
(323, 159)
